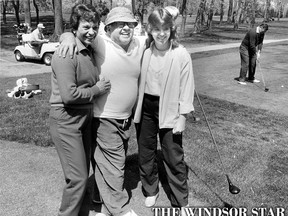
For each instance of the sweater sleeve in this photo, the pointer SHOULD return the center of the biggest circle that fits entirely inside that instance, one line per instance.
(261, 39)
(65, 75)
(252, 41)
(187, 85)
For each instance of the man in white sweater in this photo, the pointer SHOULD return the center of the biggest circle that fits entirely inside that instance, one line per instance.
(118, 56)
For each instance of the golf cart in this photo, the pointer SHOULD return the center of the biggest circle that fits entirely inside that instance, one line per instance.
(27, 51)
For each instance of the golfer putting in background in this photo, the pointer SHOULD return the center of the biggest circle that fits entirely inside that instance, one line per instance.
(250, 49)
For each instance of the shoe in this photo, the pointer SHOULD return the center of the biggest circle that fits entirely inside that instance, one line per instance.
(254, 81)
(130, 213)
(100, 214)
(151, 200)
(133, 213)
(183, 212)
(242, 83)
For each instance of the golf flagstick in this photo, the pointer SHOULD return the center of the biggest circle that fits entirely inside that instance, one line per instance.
(232, 188)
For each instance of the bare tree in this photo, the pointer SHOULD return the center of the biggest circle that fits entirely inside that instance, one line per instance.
(199, 16)
(183, 11)
(27, 12)
(133, 6)
(37, 11)
(16, 9)
(238, 13)
(58, 18)
(279, 7)
(221, 11)
(267, 10)
(230, 11)
(253, 13)
(245, 12)
(210, 14)
(4, 8)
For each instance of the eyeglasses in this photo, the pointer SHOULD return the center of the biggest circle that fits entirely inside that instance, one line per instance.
(122, 24)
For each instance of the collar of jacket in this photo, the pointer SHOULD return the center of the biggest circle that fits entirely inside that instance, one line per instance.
(82, 47)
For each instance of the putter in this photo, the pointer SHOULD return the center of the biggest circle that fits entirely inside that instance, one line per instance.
(232, 188)
(265, 88)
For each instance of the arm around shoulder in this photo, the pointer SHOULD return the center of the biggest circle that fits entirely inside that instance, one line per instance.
(67, 43)
(66, 36)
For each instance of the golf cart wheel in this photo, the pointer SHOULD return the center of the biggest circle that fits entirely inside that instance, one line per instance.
(47, 58)
(19, 56)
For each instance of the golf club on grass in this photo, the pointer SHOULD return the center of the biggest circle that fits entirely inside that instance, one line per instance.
(225, 204)
(232, 188)
(265, 88)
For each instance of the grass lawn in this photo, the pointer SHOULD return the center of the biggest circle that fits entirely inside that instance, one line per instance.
(252, 142)
(26, 121)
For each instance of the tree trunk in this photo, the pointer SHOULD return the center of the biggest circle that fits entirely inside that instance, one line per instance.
(16, 9)
(244, 14)
(253, 14)
(267, 9)
(27, 12)
(4, 5)
(210, 14)
(230, 12)
(221, 11)
(279, 5)
(279, 15)
(184, 17)
(133, 6)
(58, 18)
(197, 25)
(37, 11)
(203, 15)
(111, 3)
(238, 14)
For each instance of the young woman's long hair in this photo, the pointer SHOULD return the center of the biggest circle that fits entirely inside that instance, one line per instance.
(161, 17)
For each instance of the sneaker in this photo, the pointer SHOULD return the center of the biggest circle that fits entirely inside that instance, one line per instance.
(242, 83)
(151, 200)
(100, 214)
(133, 213)
(130, 213)
(183, 212)
(254, 81)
